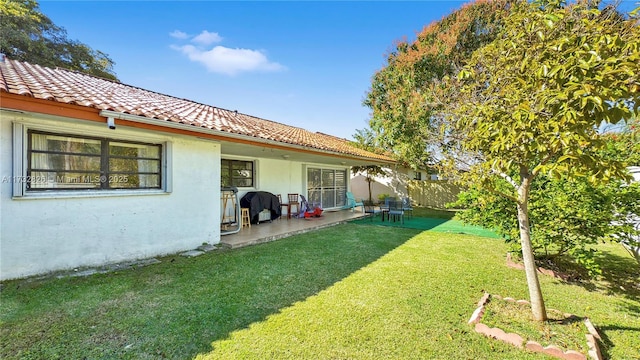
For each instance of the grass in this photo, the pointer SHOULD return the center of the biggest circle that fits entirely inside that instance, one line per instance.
(350, 291)
(434, 220)
(425, 212)
(563, 330)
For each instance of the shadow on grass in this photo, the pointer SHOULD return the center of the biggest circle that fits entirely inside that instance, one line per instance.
(567, 320)
(620, 277)
(608, 344)
(621, 273)
(176, 309)
(414, 222)
(442, 225)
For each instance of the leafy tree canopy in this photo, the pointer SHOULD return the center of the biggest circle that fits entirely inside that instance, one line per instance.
(567, 216)
(29, 35)
(531, 103)
(407, 93)
(542, 79)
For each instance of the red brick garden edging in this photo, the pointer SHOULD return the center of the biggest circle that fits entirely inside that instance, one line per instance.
(517, 340)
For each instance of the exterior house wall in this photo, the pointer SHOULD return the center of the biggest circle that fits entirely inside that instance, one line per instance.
(394, 184)
(47, 233)
(635, 172)
(399, 183)
(281, 176)
(360, 187)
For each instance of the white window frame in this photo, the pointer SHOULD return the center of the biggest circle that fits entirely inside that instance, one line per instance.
(20, 161)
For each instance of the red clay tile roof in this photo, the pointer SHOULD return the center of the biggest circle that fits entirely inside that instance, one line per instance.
(75, 88)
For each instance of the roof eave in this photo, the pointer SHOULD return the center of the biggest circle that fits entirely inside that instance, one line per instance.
(231, 136)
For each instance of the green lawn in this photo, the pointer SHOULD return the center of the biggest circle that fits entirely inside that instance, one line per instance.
(353, 291)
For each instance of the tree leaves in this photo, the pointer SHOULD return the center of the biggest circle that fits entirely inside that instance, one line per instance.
(528, 100)
(407, 95)
(28, 35)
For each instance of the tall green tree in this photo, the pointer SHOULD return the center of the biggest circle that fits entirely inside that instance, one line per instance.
(531, 103)
(406, 95)
(532, 93)
(567, 216)
(29, 35)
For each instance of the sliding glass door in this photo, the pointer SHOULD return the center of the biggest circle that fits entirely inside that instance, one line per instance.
(326, 187)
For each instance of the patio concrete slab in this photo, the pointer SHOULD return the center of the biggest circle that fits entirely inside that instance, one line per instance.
(283, 227)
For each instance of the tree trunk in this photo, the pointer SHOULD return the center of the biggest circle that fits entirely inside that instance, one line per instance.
(369, 181)
(530, 268)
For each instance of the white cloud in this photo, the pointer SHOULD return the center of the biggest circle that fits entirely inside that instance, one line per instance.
(207, 38)
(224, 60)
(178, 34)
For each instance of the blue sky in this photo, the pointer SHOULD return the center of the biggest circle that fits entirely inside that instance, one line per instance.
(307, 64)
(302, 63)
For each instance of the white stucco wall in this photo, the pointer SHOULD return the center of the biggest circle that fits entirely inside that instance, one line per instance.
(635, 172)
(393, 184)
(282, 176)
(38, 235)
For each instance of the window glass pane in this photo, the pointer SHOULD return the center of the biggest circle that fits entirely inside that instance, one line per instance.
(243, 166)
(313, 179)
(314, 196)
(55, 143)
(225, 173)
(243, 174)
(52, 180)
(341, 196)
(236, 173)
(133, 165)
(133, 181)
(49, 161)
(341, 178)
(242, 182)
(134, 150)
(328, 200)
(327, 187)
(328, 178)
(69, 162)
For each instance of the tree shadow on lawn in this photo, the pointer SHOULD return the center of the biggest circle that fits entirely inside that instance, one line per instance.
(620, 277)
(608, 344)
(176, 309)
(443, 225)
